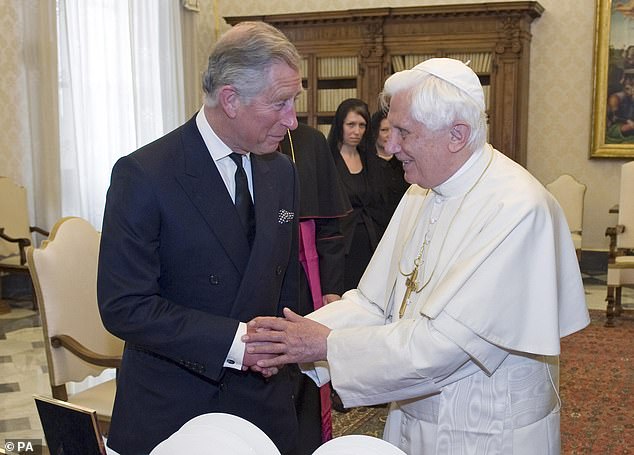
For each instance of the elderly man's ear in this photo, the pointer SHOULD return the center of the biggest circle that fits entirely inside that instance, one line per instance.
(459, 135)
(229, 100)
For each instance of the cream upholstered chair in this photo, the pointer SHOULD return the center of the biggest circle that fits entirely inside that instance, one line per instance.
(64, 272)
(15, 231)
(621, 266)
(570, 194)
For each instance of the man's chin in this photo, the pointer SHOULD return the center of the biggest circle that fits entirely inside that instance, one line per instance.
(269, 147)
(409, 174)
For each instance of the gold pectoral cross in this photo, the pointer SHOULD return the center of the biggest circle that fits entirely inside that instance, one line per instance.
(410, 285)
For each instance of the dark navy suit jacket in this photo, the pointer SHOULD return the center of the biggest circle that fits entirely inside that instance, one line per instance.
(176, 275)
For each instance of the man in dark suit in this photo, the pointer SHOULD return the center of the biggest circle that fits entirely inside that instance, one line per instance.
(181, 272)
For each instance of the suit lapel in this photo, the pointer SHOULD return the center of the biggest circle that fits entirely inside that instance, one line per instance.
(206, 190)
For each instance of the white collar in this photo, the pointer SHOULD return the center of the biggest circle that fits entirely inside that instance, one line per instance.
(466, 176)
(216, 147)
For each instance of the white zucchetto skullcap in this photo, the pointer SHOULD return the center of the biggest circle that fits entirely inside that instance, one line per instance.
(217, 433)
(357, 444)
(456, 73)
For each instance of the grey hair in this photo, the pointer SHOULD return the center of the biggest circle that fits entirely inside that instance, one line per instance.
(437, 103)
(242, 58)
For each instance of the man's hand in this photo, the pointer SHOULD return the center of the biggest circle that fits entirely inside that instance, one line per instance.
(250, 360)
(281, 341)
(329, 298)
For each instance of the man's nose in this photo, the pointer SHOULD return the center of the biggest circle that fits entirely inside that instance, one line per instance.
(289, 118)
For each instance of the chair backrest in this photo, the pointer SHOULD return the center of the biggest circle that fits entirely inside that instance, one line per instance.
(14, 217)
(570, 194)
(626, 207)
(64, 272)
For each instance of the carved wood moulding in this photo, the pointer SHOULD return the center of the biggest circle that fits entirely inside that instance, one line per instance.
(499, 26)
(376, 35)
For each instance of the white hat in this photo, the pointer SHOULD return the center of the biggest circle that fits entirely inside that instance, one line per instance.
(357, 445)
(456, 73)
(217, 433)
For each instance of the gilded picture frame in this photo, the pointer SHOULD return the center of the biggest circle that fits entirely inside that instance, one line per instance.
(613, 104)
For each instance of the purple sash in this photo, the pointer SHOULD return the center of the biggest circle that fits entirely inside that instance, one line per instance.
(310, 262)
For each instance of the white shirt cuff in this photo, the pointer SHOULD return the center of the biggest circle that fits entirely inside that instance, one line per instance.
(317, 371)
(236, 352)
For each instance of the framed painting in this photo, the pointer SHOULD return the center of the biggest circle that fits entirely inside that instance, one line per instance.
(613, 106)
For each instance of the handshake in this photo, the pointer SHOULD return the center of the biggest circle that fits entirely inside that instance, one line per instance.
(274, 342)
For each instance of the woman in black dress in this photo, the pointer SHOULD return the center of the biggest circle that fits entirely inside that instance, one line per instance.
(362, 179)
(393, 176)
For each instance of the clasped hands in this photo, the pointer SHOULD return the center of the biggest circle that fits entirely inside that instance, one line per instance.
(273, 342)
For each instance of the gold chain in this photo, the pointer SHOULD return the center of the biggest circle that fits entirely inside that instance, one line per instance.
(411, 283)
(290, 141)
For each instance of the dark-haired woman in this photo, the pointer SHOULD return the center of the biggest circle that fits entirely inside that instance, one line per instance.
(361, 175)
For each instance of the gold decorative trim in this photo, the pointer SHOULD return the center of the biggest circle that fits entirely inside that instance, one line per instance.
(602, 146)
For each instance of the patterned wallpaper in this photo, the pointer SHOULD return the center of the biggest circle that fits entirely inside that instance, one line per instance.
(560, 104)
(14, 138)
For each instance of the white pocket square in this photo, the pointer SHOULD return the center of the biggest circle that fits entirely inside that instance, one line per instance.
(284, 216)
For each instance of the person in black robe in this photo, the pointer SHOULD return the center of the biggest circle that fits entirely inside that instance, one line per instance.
(323, 202)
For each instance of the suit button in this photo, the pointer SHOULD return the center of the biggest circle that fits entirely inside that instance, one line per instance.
(278, 270)
(213, 279)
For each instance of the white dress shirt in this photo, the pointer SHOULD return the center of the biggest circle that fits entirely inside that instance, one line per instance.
(220, 152)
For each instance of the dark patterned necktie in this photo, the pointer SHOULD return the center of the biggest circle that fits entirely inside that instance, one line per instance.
(244, 204)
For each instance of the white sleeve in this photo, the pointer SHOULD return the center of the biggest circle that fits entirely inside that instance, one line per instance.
(403, 360)
(352, 310)
(236, 351)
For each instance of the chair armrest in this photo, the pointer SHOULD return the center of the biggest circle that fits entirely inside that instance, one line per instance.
(22, 244)
(39, 230)
(74, 346)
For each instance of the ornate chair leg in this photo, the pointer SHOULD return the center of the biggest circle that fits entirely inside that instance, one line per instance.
(4, 306)
(33, 295)
(618, 308)
(610, 311)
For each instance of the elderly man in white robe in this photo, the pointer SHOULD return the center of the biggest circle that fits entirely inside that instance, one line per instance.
(458, 318)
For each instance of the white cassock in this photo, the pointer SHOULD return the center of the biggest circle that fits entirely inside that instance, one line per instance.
(472, 367)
